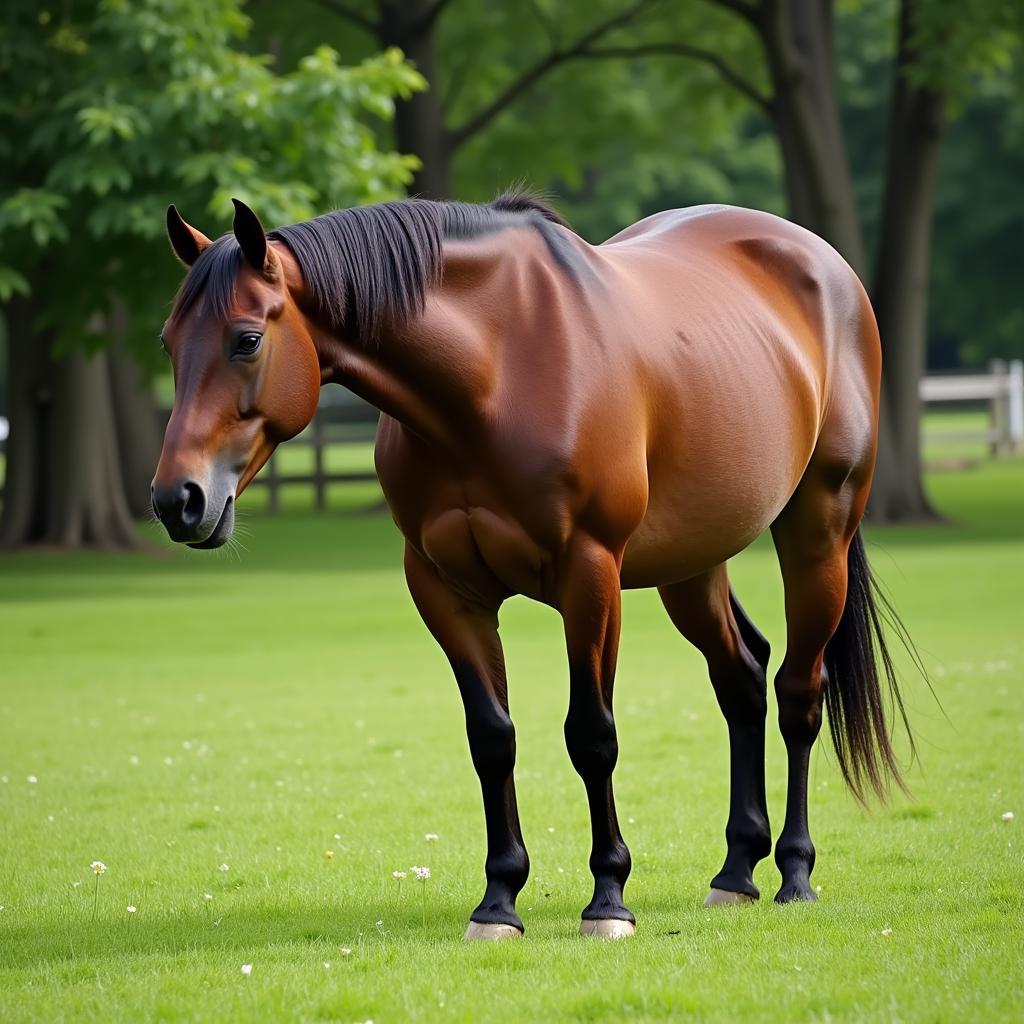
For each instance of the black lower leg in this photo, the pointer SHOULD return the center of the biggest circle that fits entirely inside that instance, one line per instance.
(593, 749)
(507, 864)
(741, 688)
(794, 852)
(747, 833)
(492, 745)
(799, 722)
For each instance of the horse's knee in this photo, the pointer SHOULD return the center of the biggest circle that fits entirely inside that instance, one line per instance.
(492, 742)
(591, 741)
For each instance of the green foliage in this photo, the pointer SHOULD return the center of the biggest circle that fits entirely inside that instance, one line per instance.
(606, 134)
(975, 311)
(117, 108)
(955, 46)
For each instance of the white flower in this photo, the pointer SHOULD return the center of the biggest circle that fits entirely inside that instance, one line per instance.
(422, 874)
(98, 867)
(224, 867)
(431, 837)
(1007, 815)
(327, 964)
(134, 759)
(131, 910)
(207, 897)
(887, 931)
(247, 969)
(32, 778)
(398, 875)
(346, 951)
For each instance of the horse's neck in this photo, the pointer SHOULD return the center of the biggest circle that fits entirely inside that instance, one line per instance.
(437, 373)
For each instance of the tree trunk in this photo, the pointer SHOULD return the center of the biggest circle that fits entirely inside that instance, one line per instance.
(29, 395)
(137, 421)
(901, 284)
(419, 120)
(797, 38)
(63, 483)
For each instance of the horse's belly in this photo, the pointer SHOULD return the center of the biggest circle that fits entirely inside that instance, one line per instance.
(696, 521)
(667, 549)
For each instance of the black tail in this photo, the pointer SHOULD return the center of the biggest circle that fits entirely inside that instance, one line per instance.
(857, 659)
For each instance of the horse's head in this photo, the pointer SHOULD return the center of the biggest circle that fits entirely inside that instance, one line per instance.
(246, 375)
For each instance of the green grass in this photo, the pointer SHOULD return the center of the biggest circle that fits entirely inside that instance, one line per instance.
(277, 701)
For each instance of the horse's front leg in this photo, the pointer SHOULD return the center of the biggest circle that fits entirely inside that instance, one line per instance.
(591, 611)
(468, 635)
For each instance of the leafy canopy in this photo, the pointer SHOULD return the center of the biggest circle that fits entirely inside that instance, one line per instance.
(115, 108)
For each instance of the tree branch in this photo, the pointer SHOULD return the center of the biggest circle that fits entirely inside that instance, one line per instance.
(349, 13)
(552, 59)
(728, 73)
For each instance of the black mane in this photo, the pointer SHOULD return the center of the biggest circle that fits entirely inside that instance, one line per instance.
(371, 264)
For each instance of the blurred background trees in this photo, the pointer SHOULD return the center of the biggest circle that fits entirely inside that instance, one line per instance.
(893, 128)
(111, 110)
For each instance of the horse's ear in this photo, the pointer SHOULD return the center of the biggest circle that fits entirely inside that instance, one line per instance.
(186, 241)
(251, 236)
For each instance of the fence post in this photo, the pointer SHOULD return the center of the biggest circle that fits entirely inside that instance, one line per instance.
(319, 481)
(1015, 405)
(998, 407)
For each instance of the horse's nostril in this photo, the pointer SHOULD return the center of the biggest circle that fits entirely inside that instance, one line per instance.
(195, 504)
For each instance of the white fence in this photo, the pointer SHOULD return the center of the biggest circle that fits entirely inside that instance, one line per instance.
(1002, 388)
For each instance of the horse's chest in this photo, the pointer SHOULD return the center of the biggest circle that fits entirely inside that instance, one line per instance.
(486, 553)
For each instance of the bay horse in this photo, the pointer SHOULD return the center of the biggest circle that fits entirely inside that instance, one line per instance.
(563, 420)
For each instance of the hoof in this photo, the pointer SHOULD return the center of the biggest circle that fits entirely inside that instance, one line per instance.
(724, 898)
(477, 932)
(796, 893)
(607, 928)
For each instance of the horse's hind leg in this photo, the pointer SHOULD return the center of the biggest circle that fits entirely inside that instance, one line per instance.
(707, 613)
(812, 536)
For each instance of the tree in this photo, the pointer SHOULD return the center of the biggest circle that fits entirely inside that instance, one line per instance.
(940, 53)
(108, 118)
(485, 61)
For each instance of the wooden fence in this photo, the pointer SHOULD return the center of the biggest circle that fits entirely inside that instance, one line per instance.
(1002, 392)
(341, 418)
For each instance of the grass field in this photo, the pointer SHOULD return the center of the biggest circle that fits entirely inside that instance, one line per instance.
(212, 724)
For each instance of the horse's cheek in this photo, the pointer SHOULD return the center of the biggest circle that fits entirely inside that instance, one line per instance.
(292, 390)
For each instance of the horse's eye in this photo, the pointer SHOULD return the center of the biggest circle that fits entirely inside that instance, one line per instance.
(248, 344)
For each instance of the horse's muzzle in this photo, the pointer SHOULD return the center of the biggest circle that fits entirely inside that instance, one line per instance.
(188, 516)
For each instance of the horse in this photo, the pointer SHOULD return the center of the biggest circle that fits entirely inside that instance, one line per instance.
(564, 420)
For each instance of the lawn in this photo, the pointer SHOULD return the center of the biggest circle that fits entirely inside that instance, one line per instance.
(214, 724)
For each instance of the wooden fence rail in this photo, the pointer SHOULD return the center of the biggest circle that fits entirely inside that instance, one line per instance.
(1002, 388)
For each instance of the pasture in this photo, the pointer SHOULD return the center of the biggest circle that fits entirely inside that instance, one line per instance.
(216, 725)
